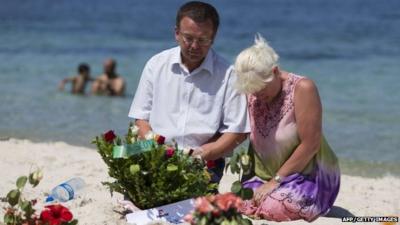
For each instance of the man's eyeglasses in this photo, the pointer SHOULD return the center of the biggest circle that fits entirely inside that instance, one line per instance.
(189, 40)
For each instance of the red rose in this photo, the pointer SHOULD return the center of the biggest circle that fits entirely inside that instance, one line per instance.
(55, 215)
(160, 139)
(109, 136)
(169, 152)
(211, 164)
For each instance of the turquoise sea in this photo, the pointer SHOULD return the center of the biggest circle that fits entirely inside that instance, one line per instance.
(350, 48)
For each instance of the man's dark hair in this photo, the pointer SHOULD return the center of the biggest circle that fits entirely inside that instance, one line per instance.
(83, 67)
(200, 12)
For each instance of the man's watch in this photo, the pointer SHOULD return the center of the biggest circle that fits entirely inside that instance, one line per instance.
(278, 179)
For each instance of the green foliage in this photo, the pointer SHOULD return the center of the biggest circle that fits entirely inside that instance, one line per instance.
(20, 210)
(240, 164)
(152, 178)
(21, 181)
(13, 197)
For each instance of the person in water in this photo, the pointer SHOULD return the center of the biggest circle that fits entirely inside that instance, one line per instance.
(79, 81)
(109, 83)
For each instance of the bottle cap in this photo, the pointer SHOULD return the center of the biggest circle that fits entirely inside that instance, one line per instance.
(49, 198)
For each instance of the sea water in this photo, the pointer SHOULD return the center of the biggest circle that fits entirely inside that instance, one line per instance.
(351, 49)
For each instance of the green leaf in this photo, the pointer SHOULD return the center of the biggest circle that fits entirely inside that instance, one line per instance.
(234, 222)
(236, 187)
(134, 169)
(94, 141)
(13, 197)
(203, 221)
(21, 182)
(225, 222)
(246, 193)
(246, 222)
(9, 219)
(30, 178)
(172, 167)
(247, 169)
(73, 222)
(235, 168)
(24, 204)
(234, 159)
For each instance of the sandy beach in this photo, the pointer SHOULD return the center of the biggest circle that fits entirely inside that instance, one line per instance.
(358, 196)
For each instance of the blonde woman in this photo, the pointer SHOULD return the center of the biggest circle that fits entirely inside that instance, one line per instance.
(296, 174)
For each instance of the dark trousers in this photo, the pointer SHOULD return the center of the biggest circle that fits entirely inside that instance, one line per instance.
(217, 171)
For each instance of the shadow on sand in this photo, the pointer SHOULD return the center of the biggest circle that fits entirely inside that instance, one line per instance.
(338, 212)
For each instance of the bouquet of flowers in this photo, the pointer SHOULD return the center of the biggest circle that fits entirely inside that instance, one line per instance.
(149, 172)
(220, 209)
(21, 211)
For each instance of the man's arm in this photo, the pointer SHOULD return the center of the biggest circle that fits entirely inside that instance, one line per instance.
(142, 103)
(223, 145)
(235, 124)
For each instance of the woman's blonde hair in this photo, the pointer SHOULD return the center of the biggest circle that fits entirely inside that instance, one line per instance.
(254, 65)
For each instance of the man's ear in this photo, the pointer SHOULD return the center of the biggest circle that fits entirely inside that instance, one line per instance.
(177, 34)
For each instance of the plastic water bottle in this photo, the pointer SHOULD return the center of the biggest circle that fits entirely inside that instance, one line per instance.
(67, 190)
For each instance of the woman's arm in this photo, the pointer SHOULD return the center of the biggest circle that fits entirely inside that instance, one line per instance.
(308, 115)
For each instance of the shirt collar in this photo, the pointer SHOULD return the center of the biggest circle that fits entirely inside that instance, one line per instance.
(207, 64)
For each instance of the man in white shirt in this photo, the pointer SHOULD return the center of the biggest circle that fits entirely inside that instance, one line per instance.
(186, 93)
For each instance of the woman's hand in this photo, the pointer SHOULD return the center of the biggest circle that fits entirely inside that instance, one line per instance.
(261, 193)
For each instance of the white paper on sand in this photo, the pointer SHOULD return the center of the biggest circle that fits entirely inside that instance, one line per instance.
(172, 213)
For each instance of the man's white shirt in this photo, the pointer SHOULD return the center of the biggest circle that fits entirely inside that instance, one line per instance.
(189, 107)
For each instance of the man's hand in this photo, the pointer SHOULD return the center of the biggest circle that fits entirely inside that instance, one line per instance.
(144, 128)
(197, 152)
(223, 145)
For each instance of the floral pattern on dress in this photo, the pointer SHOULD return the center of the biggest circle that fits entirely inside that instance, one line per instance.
(268, 115)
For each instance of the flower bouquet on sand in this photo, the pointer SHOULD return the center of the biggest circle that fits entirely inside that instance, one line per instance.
(149, 172)
(21, 211)
(224, 209)
(221, 209)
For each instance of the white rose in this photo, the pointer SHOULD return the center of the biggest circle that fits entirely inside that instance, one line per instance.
(135, 130)
(245, 160)
(37, 175)
(149, 135)
(186, 150)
